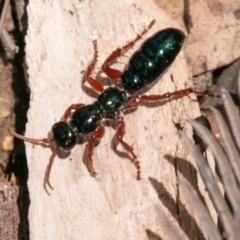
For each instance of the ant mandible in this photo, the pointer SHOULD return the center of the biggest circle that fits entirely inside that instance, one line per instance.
(146, 65)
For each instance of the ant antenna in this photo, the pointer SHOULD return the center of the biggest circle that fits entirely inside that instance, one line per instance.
(44, 141)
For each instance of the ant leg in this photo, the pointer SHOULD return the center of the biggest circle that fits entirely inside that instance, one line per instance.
(96, 85)
(120, 133)
(177, 94)
(114, 73)
(48, 170)
(136, 101)
(67, 113)
(97, 134)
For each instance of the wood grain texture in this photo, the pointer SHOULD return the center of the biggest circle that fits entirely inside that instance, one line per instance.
(114, 205)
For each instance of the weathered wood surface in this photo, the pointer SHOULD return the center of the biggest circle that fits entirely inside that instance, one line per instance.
(114, 205)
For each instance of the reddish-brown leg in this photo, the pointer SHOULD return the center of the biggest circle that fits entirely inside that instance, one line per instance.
(98, 134)
(120, 133)
(44, 141)
(136, 101)
(48, 170)
(96, 85)
(114, 73)
(67, 113)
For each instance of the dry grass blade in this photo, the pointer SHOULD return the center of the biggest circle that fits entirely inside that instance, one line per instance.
(203, 214)
(233, 115)
(171, 230)
(228, 168)
(224, 167)
(229, 145)
(212, 187)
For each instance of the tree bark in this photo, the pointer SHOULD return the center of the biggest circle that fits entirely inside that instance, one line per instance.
(114, 205)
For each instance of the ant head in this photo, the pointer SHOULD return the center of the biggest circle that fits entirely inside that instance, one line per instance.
(63, 136)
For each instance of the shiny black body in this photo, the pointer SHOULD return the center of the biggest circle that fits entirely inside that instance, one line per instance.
(87, 118)
(146, 65)
(152, 59)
